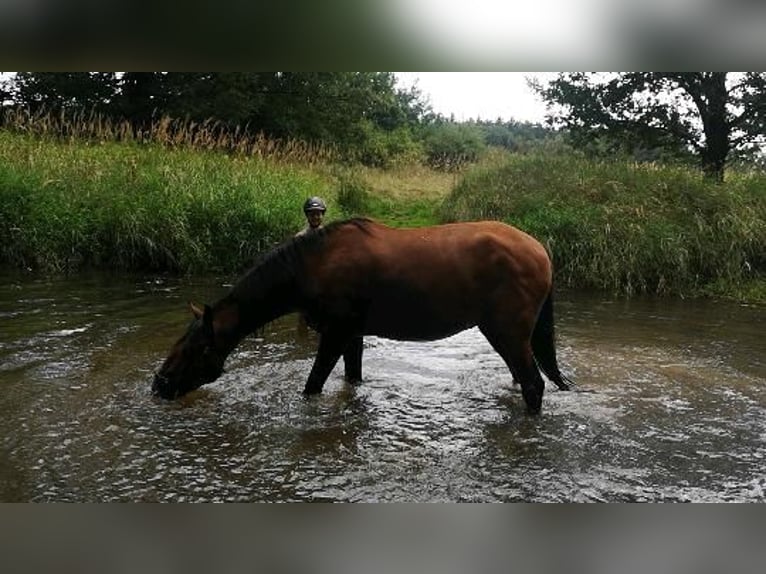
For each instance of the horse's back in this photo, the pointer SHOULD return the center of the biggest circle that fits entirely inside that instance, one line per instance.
(483, 247)
(429, 282)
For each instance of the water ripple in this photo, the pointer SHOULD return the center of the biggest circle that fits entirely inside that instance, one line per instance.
(675, 417)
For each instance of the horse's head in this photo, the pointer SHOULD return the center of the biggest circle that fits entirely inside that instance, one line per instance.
(193, 361)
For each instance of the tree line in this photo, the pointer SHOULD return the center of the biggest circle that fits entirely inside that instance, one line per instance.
(364, 115)
(328, 107)
(711, 119)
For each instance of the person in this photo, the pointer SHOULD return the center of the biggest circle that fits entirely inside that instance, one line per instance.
(314, 209)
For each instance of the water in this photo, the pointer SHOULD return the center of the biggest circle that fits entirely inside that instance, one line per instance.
(672, 407)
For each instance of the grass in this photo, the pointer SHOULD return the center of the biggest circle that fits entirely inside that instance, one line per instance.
(77, 202)
(68, 205)
(413, 195)
(184, 201)
(628, 228)
(402, 196)
(80, 126)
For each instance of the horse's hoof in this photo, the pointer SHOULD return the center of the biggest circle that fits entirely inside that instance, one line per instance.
(534, 405)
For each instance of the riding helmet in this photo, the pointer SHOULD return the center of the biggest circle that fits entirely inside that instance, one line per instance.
(314, 204)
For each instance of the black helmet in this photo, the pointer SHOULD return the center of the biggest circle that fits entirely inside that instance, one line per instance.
(314, 204)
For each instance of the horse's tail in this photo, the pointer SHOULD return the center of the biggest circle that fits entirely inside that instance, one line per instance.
(544, 345)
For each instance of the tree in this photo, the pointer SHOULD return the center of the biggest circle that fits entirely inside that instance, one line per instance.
(517, 136)
(450, 145)
(6, 95)
(708, 114)
(142, 96)
(331, 106)
(55, 91)
(354, 111)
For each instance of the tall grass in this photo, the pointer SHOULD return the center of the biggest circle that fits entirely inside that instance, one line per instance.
(623, 227)
(68, 204)
(182, 198)
(167, 132)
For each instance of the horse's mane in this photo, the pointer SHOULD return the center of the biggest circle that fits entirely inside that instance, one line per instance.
(362, 223)
(283, 262)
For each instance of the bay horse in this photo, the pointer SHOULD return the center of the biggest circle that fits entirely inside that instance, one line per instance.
(358, 277)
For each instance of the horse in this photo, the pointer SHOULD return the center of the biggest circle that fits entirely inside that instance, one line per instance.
(358, 277)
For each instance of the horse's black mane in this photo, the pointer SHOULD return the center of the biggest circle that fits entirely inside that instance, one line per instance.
(317, 235)
(283, 262)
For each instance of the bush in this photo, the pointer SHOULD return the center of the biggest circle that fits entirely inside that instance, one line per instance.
(449, 146)
(385, 149)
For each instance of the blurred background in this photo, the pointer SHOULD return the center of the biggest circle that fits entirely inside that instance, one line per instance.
(337, 34)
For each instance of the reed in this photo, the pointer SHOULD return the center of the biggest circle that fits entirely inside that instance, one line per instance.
(623, 227)
(208, 135)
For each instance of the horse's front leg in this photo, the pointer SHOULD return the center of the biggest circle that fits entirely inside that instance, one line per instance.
(331, 347)
(352, 359)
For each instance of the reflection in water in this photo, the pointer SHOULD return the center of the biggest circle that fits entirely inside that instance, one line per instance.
(671, 407)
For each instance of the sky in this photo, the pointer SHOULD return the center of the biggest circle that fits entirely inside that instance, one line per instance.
(479, 95)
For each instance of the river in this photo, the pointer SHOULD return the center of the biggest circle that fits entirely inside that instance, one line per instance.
(671, 406)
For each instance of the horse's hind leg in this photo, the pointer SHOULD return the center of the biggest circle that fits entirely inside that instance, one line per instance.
(352, 359)
(517, 353)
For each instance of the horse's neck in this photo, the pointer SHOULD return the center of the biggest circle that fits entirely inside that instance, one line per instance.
(261, 302)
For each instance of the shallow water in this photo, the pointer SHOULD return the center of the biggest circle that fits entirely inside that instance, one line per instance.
(671, 407)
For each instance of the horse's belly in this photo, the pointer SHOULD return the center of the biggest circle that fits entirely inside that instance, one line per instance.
(408, 333)
(417, 322)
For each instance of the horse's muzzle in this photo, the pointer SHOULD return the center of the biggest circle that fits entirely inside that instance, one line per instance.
(161, 388)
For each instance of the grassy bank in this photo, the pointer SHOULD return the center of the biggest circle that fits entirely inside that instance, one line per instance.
(626, 228)
(68, 205)
(89, 202)
(403, 196)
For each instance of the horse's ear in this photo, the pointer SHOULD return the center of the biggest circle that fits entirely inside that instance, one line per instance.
(205, 313)
(198, 311)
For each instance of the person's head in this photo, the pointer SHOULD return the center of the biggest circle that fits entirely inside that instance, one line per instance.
(314, 209)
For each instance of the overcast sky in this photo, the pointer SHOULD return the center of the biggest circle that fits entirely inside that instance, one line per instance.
(479, 95)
